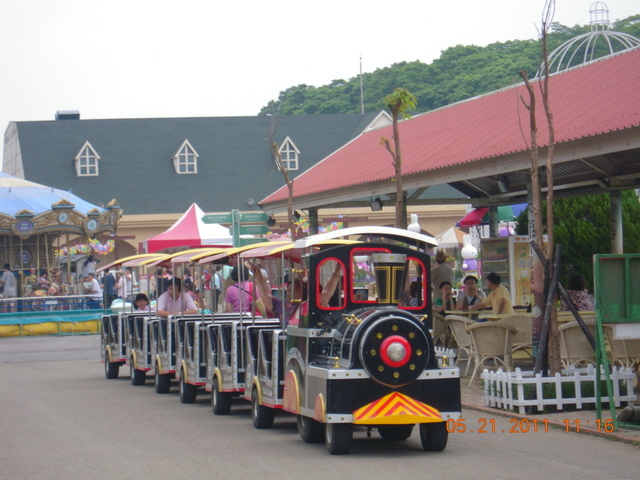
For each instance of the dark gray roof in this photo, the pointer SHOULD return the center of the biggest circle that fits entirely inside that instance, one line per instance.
(136, 157)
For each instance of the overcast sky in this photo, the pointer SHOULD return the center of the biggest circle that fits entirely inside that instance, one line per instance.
(168, 58)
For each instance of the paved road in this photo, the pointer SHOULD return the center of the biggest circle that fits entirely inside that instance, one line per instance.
(61, 419)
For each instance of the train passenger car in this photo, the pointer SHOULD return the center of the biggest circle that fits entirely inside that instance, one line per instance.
(210, 355)
(113, 344)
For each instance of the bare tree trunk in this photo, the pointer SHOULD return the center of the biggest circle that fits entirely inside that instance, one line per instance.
(401, 217)
(535, 171)
(554, 335)
(553, 346)
(398, 102)
(277, 158)
(289, 182)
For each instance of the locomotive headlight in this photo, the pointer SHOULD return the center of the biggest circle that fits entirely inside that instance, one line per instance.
(395, 351)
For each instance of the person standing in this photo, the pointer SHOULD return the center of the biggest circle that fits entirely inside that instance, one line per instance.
(217, 287)
(95, 291)
(499, 299)
(206, 287)
(89, 266)
(10, 287)
(123, 284)
(187, 281)
(109, 287)
(440, 273)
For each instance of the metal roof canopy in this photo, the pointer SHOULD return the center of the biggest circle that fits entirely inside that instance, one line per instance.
(472, 145)
(586, 166)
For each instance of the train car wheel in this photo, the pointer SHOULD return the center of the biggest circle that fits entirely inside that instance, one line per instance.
(187, 391)
(310, 430)
(220, 401)
(434, 436)
(338, 437)
(162, 382)
(111, 369)
(262, 416)
(395, 433)
(138, 377)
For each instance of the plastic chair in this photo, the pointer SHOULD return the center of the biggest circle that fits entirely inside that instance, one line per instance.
(625, 353)
(575, 349)
(491, 341)
(523, 338)
(458, 327)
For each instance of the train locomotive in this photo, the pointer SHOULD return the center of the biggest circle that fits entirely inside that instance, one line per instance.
(353, 351)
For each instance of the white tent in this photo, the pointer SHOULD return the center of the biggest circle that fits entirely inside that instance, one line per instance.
(450, 238)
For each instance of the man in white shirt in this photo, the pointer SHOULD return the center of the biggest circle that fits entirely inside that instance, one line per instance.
(173, 301)
(95, 291)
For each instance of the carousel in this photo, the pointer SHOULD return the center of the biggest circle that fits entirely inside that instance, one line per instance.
(36, 224)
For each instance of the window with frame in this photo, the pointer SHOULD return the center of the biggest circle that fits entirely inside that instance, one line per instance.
(289, 154)
(87, 161)
(185, 160)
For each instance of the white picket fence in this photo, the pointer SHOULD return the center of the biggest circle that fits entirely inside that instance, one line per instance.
(506, 389)
(445, 356)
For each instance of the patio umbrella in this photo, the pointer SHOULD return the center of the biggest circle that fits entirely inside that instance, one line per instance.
(480, 215)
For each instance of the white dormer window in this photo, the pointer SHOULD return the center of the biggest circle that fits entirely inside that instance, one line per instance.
(186, 159)
(289, 154)
(87, 161)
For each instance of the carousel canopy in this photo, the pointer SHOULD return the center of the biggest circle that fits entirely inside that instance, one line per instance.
(28, 208)
(17, 194)
(191, 232)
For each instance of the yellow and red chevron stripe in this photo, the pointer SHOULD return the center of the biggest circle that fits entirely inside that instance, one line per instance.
(396, 409)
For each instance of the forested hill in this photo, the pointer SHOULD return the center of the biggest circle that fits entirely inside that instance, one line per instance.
(460, 72)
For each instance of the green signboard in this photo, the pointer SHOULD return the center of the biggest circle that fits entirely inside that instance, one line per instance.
(223, 218)
(616, 278)
(251, 230)
(258, 217)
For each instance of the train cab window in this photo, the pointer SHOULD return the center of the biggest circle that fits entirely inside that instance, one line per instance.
(415, 284)
(364, 281)
(330, 285)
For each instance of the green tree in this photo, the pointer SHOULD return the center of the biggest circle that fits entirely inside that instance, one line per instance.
(461, 72)
(582, 226)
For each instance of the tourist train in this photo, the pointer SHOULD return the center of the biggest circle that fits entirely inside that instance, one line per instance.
(352, 350)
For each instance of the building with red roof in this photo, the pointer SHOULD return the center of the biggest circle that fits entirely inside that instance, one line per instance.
(481, 146)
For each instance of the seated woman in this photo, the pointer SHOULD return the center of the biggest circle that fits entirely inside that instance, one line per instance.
(446, 300)
(576, 289)
(296, 291)
(240, 294)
